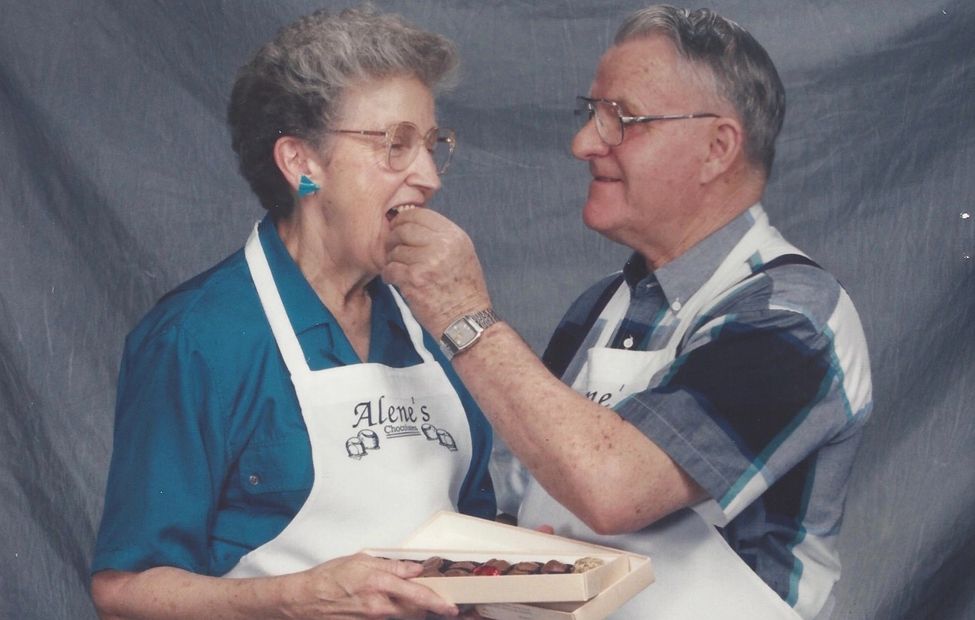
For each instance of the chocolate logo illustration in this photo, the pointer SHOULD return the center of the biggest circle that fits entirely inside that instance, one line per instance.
(446, 440)
(442, 437)
(358, 446)
(429, 431)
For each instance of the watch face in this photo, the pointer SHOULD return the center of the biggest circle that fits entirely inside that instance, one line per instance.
(460, 333)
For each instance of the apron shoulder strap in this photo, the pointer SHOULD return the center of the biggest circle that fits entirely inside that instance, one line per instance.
(779, 261)
(568, 337)
(785, 259)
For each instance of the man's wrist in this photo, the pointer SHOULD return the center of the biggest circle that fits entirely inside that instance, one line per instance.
(463, 332)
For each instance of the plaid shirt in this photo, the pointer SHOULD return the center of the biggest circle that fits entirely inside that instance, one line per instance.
(764, 408)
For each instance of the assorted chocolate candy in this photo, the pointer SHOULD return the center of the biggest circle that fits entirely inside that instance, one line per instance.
(441, 567)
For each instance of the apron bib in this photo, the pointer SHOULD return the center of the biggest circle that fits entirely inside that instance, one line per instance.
(698, 575)
(390, 446)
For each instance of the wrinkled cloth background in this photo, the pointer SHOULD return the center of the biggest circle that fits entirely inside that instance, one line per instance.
(117, 182)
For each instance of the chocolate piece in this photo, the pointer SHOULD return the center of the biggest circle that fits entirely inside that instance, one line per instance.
(501, 565)
(584, 564)
(465, 566)
(435, 563)
(525, 568)
(554, 567)
(457, 572)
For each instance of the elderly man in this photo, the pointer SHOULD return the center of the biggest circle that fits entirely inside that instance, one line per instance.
(719, 382)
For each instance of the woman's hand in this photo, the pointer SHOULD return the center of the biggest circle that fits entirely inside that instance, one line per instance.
(362, 586)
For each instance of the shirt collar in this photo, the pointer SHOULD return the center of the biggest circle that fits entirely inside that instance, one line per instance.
(304, 308)
(682, 277)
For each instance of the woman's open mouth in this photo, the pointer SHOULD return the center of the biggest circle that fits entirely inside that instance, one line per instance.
(392, 213)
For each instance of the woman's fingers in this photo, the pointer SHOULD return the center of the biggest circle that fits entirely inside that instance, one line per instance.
(363, 586)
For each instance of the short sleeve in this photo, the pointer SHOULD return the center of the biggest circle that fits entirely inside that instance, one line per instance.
(161, 488)
(737, 410)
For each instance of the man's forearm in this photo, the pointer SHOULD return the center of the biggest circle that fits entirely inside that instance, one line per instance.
(597, 465)
(592, 461)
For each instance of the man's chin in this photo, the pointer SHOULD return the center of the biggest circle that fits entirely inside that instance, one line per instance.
(597, 216)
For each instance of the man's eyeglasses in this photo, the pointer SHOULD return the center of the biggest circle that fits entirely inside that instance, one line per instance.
(403, 141)
(610, 120)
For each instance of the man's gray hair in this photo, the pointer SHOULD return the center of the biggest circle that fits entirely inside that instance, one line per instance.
(294, 84)
(743, 73)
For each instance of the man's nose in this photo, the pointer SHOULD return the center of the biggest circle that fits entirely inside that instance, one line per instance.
(587, 144)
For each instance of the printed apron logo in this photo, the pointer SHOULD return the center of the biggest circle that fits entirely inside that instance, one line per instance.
(396, 422)
(606, 399)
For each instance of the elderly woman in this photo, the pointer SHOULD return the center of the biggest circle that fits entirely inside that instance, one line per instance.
(284, 409)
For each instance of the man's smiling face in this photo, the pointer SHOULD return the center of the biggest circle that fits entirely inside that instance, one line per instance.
(646, 190)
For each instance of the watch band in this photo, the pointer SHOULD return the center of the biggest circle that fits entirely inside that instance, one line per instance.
(461, 334)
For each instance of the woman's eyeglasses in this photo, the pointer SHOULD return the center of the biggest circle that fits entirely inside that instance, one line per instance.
(403, 142)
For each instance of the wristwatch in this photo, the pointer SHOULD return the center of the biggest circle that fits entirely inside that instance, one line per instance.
(464, 332)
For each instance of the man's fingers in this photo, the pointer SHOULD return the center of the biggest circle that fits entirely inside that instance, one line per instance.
(420, 222)
(409, 233)
(420, 227)
(405, 254)
(423, 217)
(395, 274)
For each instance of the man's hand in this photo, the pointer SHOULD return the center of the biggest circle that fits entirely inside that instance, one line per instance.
(433, 264)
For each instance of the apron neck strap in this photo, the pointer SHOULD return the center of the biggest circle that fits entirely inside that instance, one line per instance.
(277, 316)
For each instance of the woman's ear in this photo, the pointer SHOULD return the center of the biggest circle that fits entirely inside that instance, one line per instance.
(725, 146)
(291, 155)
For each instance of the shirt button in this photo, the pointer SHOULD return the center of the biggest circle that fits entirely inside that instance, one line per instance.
(676, 306)
(254, 479)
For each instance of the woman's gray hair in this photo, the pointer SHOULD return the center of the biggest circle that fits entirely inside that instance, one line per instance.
(743, 73)
(294, 84)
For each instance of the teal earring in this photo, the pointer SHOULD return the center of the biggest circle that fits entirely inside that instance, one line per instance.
(307, 187)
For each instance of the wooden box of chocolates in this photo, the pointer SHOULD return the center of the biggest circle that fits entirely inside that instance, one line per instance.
(534, 596)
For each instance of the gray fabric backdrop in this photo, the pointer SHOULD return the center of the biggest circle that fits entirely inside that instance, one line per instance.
(117, 182)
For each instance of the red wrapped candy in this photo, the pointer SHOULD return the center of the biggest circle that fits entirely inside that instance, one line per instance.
(486, 569)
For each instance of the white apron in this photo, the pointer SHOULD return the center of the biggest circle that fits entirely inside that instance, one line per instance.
(390, 446)
(698, 575)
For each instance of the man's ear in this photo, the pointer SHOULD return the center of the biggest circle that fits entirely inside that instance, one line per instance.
(292, 156)
(725, 147)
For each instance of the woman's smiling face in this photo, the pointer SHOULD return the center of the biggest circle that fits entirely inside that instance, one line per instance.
(359, 191)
